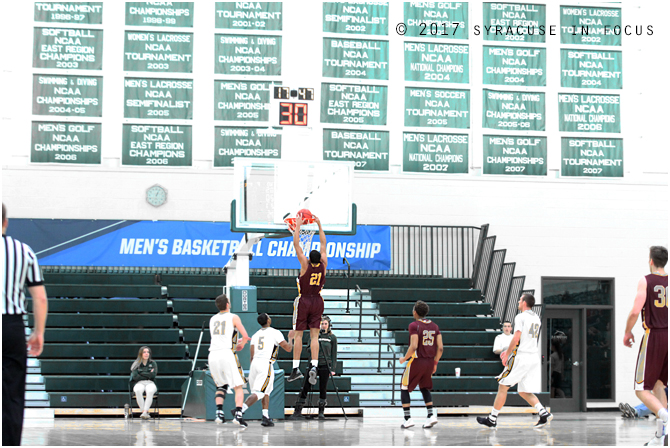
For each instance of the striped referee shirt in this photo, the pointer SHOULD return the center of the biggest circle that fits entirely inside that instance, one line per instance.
(19, 269)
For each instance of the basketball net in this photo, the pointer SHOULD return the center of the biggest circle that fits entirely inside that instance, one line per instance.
(306, 234)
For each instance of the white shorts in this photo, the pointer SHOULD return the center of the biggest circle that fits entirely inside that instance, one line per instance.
(226, 368)
(261, 376)
(523, 369)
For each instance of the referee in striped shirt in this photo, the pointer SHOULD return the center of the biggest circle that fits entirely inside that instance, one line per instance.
(19, 269)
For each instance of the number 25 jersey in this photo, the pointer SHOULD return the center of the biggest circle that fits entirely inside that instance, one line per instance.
(311, 282)
(427, 332)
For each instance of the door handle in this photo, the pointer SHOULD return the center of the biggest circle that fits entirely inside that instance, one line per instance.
(576, 364)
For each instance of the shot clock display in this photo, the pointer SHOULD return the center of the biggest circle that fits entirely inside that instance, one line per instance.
(293, 113)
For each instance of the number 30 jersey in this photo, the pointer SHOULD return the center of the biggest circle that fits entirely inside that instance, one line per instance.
(311, 282)
(528, 323)
(427, 332)
(655, 310)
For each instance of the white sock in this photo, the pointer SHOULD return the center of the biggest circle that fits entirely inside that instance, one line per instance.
(244, 408)
(661, 422)
(266, 413)
(296, 363)
(315, 363)
(494, 414)
(540, 409)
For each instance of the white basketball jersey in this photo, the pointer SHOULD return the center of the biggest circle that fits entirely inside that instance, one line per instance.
(266, 343)
(528, 323)
(223, 332)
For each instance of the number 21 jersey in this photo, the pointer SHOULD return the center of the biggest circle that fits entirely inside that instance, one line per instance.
(311, 282)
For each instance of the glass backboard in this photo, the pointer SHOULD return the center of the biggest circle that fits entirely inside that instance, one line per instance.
(266, 191)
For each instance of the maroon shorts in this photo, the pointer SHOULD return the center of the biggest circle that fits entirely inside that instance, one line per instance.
(418, 371)
(652, 360)
(307, 312)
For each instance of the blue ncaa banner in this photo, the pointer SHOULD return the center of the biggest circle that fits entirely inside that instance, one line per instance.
(185, 244)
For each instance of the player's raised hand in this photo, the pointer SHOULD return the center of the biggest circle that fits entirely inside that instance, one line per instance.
(317, 220)
(628, 339)
(298, 221)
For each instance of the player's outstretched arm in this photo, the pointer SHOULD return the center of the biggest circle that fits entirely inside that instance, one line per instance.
(296, 243)
(322, 241)
(413, 344)
(245, 337)
(640, 298)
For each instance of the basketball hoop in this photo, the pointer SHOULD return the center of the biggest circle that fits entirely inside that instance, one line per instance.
(306, 233)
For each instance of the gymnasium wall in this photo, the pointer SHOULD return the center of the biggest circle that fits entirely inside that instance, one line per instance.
(551, 224)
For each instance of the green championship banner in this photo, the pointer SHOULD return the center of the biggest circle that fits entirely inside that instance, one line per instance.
(591, 26)
(54, 142)
(67, 95)
(592, 157)
(69, 12)
(360, 59)
(446, 20)
(237, 54)
(435, 153)
(158, 98)
(356, 18)
(515, 155)
(242, 100)
(231, 142)
(369, 150)
(589, 69)
(515, 66)
(165, 14)
(515, 22)
(150, 145)
(254, 16)
(68, 48)
(437, 107)
(513, 110)
(427, 61)
(153, 51)
(589, 113)
(354, 103)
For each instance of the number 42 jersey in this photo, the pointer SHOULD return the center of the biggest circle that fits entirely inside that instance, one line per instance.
(528, 323)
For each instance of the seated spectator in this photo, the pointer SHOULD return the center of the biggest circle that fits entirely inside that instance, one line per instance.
(502, 341)
(142, 375)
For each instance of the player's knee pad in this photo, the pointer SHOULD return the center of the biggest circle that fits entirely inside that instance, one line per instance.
(404, 396)
(221, 391)
(427, 397)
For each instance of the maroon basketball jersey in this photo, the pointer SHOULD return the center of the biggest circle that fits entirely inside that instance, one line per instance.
(312, 281)
(655, 309)
(427, 332)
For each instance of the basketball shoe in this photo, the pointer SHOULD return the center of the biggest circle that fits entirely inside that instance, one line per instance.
(296, 374)
(487, 422)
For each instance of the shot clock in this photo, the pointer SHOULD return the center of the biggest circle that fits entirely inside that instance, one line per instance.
(293, 111)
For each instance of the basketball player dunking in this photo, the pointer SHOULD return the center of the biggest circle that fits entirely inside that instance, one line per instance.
(651, 373)
(308, 307)
(424, 352)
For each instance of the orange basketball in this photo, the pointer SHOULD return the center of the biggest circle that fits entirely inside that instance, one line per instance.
(305, 214)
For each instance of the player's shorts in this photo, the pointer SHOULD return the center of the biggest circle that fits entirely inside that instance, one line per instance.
(261, 376)
(419, 371)
(652, 360)
(307, 312)
(225, 368)
(523, 369)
